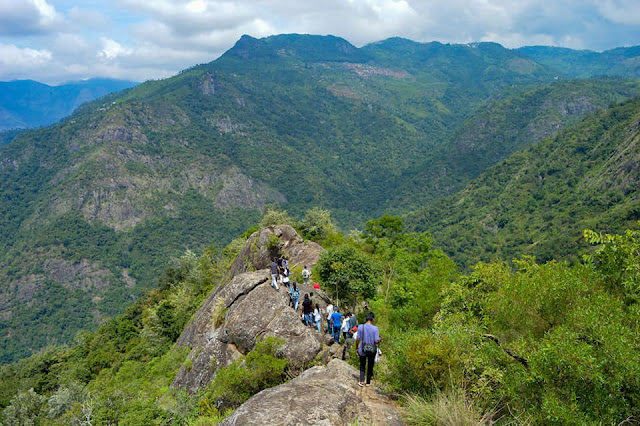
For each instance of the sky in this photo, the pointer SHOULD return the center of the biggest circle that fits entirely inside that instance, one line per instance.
(54, 41)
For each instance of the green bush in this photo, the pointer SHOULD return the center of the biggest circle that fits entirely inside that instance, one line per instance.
(260, 369)
(316, 224)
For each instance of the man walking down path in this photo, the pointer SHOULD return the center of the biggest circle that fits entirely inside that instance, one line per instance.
(329, 313)
(336, 322)
(367, 341)
(307, 311)
(274, 273)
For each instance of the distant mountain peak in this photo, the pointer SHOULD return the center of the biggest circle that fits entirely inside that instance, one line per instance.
(305, 47)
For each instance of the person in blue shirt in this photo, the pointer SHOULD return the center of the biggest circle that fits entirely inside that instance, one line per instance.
(367, 341)
(294, 293)
(336, 322)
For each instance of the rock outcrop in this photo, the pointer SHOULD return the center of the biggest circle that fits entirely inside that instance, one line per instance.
(324, 395)
(251, 309)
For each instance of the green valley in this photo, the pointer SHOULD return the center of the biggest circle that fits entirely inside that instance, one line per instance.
(94, 208)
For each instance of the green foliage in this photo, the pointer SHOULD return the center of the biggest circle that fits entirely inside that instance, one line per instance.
(617, 261)
(122, 371)
(386, 226)
(446, 408)
(219, 312)
(260, 369)
(275, 216)
(25, 409)
(317, 224)
(538, 201)
(561, 346)
(352, 273)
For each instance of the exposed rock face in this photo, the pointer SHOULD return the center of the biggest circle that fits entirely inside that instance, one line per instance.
(208, 85)
(77, 275)
(327, 395)
(252, 309)
(268, 242)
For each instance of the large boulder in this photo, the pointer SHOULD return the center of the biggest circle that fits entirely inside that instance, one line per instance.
(268, 242)
(323, 395)
(250, 309)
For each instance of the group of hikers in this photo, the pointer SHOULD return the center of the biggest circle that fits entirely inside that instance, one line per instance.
(366, 336)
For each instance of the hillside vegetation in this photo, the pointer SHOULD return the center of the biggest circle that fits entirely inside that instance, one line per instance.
(93, 208)
(538, 201)
(526, 344)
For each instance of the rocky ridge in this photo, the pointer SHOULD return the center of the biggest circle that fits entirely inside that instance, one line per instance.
(252, 309)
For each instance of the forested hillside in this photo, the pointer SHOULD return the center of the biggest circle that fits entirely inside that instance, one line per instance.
(93, 208)
(621, 61)
(538, 201)
(521, 343)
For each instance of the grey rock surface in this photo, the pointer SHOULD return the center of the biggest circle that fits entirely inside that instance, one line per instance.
(273, 240)
(252, 309)
(322, 395)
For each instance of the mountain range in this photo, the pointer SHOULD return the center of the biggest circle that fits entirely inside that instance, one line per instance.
(94, 207)
(28, 104)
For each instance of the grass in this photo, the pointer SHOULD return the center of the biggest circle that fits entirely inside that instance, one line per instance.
(447, 408)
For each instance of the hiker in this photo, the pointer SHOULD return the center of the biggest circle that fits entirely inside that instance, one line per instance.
(345, 326)
(274, 273)
(306, 275)
(353, 321)
(307, 310)
(329, 312)
(279, 262)
(313, 299)
(285, 265)
(285, 277)
(294, 293)
(317, 317)
(349, 340)
(336, 323)
(368, 338)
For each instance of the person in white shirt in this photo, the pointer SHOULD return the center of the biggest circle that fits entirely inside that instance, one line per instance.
(329, 312)
(306, 276)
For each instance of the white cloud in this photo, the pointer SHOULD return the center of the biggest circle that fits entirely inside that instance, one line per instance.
(626, 12)
(15, 57)
(83, 18)
(111, 50)
(25, 17)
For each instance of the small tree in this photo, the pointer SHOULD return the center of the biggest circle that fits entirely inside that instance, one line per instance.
(386, 226)
(350, 272)
(316, 224)
(26, 409)
(273, 215)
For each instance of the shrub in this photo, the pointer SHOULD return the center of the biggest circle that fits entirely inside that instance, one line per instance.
(274, 216)
(25, 409)
(260, 369)
(452, 407)
(316, 224)
(219, 313)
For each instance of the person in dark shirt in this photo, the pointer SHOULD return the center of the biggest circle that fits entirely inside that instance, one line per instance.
(307, 311)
